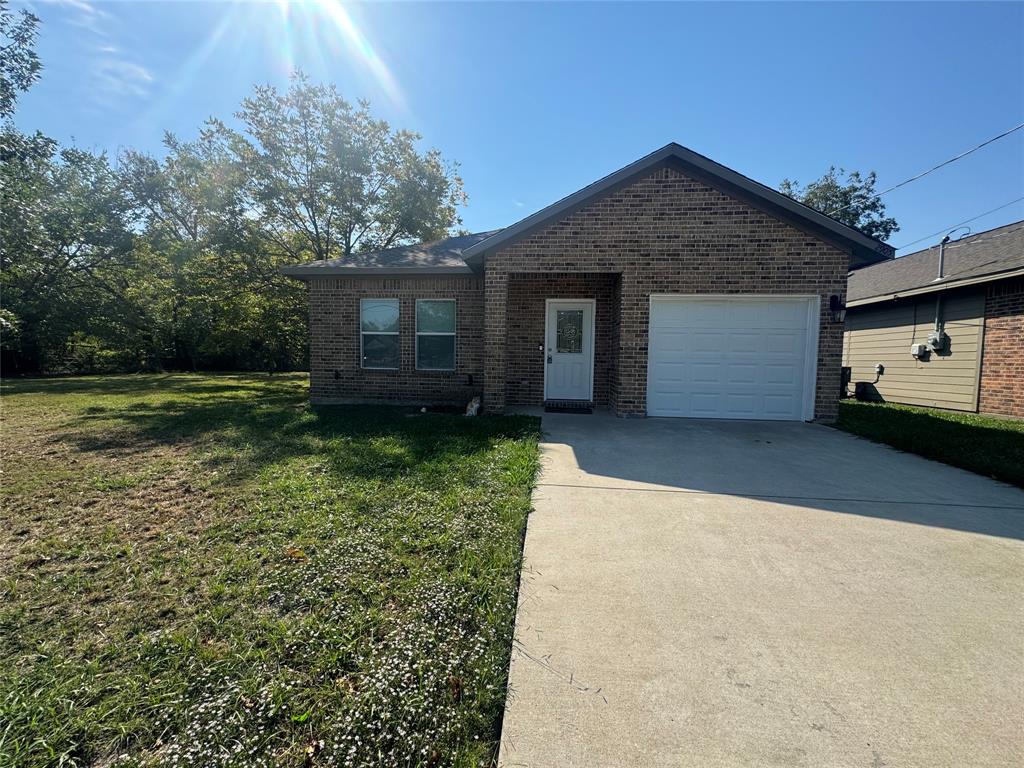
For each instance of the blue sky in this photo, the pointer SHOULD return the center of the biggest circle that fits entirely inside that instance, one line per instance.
(537, 100)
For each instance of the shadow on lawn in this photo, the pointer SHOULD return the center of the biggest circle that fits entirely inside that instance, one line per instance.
(149, 383)
(274, 425)
(995, 450)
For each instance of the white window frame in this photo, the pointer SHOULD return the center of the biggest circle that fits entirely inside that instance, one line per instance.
(454, 334)
(362, 334)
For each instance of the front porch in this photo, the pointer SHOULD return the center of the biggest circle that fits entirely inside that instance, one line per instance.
(560, 338)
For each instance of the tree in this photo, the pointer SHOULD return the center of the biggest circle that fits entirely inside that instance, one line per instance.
(176, 261)
(852, 201)
(224, 303)
(65, 246)
(19, 64)
(186, 203)
(325, 179)
(68, 267)
(189, 196)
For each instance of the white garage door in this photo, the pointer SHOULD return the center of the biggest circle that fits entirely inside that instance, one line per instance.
(732, 357)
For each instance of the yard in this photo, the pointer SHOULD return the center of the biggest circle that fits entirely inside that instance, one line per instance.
(203, 570)
(984, 444)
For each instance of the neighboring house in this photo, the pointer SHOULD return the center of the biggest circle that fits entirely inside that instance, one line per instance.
(974, 313)
(673, 287)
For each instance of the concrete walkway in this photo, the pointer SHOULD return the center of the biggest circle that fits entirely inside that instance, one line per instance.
(763, 594)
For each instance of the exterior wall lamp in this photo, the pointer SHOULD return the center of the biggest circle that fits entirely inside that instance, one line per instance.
(837, 308)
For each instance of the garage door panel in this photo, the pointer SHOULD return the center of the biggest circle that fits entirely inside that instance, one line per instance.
(784, 342)
(673, 340)
(728, 358)
(740, 406)
(741, 374)
(781, 405)
(743, 341)
(701, 373)
(712, 316)
(704, 403)
(702, 340)
(775, 373)
(783, 315)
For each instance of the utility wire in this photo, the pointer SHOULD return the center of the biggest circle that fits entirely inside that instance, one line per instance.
(930, 170)
(965, 221)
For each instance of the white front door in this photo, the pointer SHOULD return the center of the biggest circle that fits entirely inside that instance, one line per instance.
(569, 350)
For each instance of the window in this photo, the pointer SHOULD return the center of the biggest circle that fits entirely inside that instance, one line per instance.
(569, 331)
(435, 335)
(378, 327)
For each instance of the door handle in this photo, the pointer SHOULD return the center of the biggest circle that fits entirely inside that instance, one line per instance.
(549, 359)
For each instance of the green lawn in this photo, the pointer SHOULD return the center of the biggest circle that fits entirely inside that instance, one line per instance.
(203, 570)
(982, 444)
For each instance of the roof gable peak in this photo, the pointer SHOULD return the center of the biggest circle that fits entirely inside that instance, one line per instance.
(864, 249)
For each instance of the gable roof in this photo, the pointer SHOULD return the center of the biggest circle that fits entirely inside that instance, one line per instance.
(438, 257)
(465, 253)
(864, 249)
(990, 255)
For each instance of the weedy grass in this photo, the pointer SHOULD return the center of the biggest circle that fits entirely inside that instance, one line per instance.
(984, 444)
(206, 571)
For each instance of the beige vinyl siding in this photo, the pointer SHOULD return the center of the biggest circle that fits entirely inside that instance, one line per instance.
(883, 332)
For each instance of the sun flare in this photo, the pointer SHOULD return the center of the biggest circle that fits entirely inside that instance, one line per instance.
(327, 29)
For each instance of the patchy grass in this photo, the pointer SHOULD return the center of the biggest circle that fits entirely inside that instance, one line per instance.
(205, 571)
(982, 444)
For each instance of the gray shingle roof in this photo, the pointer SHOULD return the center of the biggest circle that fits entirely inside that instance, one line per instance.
(986, 254)
(439, 257)
(461, 254)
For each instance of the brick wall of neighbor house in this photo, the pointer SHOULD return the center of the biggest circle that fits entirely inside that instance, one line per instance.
(335, 341)
(1002, 361)
(668, 233)
(524, 372)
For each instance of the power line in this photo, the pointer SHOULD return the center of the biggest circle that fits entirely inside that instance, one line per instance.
(930, 170)
(959, 224)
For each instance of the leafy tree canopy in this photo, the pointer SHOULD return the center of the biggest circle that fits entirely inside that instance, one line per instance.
(19, 64)
(174, 261)
(187, 197)
(66, 246)
(851, 200)
(319, 167)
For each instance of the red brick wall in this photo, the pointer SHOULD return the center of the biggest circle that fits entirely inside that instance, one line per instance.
(1002, 361)
(335, 341)
(668, 233)
(526, 308)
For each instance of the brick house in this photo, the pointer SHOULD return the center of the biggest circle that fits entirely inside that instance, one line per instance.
(949, 342)
(672, 287)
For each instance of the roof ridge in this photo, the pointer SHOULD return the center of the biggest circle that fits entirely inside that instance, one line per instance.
(972, 238)
(420, 243)
(987, 255)
(382, 251)
(443, 255)
(965, 240)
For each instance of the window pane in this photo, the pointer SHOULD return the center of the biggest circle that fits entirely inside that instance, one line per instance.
(435, 352)
(569, 327)
(380, 351)
(435, 316)
(379, 315)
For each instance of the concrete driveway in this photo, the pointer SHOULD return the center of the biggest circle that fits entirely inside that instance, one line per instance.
(764, 594)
